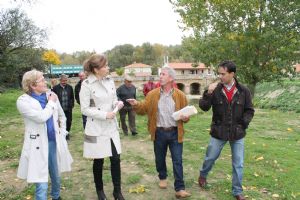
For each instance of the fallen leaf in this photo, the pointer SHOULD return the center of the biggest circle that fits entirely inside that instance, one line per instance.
(289, 129)
(28, 197)
(259, 158)
(244, 187)
(255, 174)
(275, 195)
(138, 189)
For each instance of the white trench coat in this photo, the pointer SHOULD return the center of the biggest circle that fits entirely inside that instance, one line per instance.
(33, 164)
(97, 97)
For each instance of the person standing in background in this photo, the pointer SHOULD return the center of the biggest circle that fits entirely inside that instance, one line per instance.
(53, 82)
(150, 85)
(81, 76)
(124, 92)
(65, 94)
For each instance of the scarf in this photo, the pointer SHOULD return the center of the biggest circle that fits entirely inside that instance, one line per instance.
(42, 99)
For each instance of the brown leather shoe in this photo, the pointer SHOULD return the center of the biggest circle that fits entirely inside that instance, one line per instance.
(202, 181)
(240, 197)
(163, 184)
(181, 194)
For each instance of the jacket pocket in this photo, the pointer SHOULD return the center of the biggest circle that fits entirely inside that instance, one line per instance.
(216, 131)
(239, 132)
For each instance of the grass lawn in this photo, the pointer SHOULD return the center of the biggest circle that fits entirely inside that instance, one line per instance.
(271, 169)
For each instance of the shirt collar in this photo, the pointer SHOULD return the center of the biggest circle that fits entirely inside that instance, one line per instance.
(229, 86)
(170, 93)
(92, 78)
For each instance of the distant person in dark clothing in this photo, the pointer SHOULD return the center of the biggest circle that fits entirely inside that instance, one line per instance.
(124, 92)
(81, 76)
(65, 95)
(150, 85)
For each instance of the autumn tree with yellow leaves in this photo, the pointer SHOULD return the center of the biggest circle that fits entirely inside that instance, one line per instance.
(51, 57)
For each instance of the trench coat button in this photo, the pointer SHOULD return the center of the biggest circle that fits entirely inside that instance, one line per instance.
(37, 147)
(98, 108)
(37, 135)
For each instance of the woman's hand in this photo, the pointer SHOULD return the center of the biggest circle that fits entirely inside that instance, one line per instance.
(110, 115)
(52, 97)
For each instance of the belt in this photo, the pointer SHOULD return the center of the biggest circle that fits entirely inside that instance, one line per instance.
(172, 128)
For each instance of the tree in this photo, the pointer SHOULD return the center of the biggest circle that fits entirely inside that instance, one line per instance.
(120, 56)
(51, 57)
(20, 42)
(261, 36)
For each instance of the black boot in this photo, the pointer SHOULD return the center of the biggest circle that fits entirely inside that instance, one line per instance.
(101, 195)
(118, 195)
(58, 198)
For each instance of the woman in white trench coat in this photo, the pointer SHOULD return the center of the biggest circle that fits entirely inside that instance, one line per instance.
(45, 148)
(98, 100)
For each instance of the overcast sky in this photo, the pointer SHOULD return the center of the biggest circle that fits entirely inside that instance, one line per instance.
(99, 25)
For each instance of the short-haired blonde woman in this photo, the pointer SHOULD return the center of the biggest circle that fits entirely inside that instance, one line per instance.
(98, 100)
(44, 149)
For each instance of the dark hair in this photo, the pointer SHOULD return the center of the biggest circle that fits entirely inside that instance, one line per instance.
(229, 65)
(95, 61)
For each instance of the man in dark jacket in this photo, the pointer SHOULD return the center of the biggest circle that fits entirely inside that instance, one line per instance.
(124, 92)
(65, 95)
(232, 112)
(81, 76)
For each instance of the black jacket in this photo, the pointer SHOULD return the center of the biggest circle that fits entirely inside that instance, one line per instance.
(229, 121)
(124, 93)
(58, 91)
(77, 90)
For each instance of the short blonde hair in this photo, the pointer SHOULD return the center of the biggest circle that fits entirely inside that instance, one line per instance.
(29, 79)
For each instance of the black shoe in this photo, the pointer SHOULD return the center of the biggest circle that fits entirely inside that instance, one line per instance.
(57, 198)
(134, 133)
(101, 195)
(118, 196)
(68, 137)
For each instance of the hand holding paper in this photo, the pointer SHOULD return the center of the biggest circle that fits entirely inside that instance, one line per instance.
(186, 111)
(119, 105)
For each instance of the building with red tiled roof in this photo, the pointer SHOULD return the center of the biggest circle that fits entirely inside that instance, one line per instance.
(189, 69)
(138, 69)
(297, 68)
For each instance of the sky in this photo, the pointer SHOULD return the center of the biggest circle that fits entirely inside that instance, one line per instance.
(100, 25)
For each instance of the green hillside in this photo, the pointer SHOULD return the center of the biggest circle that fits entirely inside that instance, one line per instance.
(283, 96)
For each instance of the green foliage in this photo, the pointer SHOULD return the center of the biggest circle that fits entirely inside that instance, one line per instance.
(284, 95)
(120, 71)
(19, 46)
(262, 37)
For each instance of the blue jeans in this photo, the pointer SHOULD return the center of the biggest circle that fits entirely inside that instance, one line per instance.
(162, 141)
(213, 151)
(41, 188)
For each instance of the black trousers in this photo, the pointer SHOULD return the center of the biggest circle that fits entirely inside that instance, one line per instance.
(115, 169)
(68, 114)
